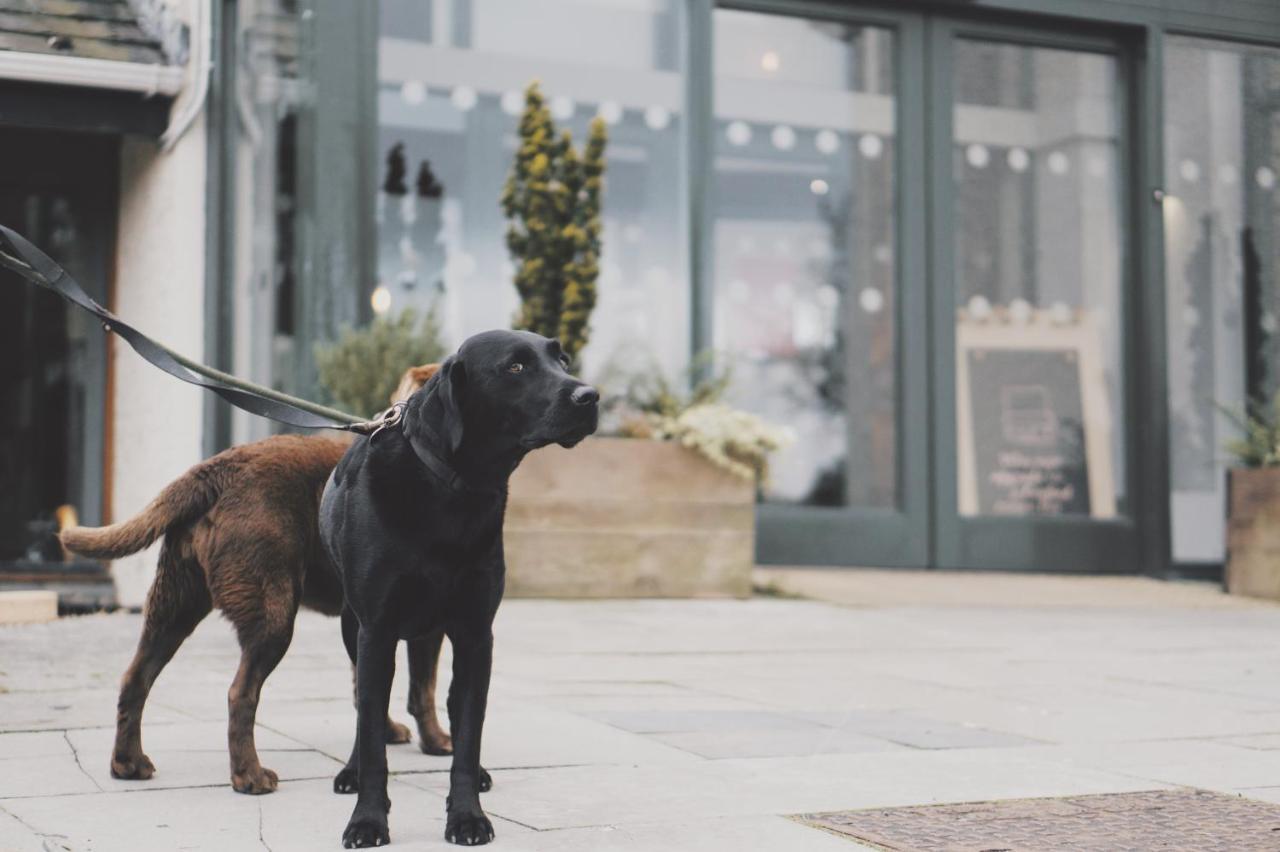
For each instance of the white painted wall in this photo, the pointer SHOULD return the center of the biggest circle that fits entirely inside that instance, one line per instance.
(157, 420)
(159, 288)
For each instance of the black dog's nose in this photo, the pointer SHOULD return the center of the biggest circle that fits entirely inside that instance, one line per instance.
(584, 395)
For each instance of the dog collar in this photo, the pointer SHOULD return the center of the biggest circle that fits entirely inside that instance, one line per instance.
(397, 416)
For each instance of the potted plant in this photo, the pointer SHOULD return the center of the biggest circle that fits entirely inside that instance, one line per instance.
(1253, 509)
(663, 508)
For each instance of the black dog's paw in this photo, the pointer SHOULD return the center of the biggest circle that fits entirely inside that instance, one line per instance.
(365, 831)
(468, 828)
(345, 781)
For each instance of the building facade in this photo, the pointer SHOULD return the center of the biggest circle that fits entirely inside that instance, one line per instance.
(996, 263)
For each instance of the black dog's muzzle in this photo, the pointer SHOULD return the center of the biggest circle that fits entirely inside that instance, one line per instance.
(584, 395)
(582, 416)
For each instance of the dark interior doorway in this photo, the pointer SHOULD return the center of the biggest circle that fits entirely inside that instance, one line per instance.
(59, 190)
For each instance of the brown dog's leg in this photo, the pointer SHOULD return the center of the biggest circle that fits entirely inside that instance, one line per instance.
(258, 658)
(177, 602)
(397, 734)
(424, 654)
(264, 625)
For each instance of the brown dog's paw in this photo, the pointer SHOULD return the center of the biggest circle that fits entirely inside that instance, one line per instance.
(398, 734)
(437, 743)
(255, 782)
(137, 768)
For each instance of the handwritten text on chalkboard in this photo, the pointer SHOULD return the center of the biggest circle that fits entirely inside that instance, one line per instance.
(1028, 432)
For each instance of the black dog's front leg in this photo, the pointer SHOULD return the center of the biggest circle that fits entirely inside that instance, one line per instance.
(465, 822)
(375, 668)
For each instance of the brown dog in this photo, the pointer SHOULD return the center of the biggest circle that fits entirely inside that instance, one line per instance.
(240, 534)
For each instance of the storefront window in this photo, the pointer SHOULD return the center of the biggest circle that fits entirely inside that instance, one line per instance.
(804, 248)
(1221, 214)
(450, 83)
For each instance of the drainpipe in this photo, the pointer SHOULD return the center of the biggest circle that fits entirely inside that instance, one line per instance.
(203, 63)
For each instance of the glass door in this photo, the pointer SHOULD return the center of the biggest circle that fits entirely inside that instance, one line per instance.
(815, 246)
(918, 238)
(1030, 301)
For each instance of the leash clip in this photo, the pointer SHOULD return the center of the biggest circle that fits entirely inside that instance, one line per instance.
(389, 418)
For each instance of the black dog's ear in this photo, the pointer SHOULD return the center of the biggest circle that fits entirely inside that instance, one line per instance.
(447, 390)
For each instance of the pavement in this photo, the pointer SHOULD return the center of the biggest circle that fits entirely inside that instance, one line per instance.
(674, 725)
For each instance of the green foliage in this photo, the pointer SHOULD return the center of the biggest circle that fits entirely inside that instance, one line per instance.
(552, 201)
(656, 407)
(652, 392)
(1259, 443)
(362, 369)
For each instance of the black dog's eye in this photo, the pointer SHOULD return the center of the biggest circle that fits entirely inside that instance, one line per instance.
(517, 367)
(565, 361)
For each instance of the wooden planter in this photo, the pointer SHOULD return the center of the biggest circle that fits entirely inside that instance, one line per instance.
(1253, 532)
(628, 518)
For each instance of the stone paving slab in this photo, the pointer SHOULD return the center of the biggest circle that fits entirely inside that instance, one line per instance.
(176, 769)
(1173, 820)
(69, 708)
(917, 732)
(871, 587)
(43, 776)
(1257, 742)
(739, 834)
(717, 745)
(34, 744)
(179, 736)
(301, 815)
(624, 725)
(568, 797)
(1193, 762)
(669, 722)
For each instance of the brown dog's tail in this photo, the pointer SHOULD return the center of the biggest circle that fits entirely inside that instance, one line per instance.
(182, 501)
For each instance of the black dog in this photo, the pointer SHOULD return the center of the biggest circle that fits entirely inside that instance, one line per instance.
(412, 517)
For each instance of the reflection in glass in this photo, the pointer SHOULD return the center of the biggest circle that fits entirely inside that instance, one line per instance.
(804, 248)
(449, 97)
(1038, 271)
(1221, 213)
(270, 96)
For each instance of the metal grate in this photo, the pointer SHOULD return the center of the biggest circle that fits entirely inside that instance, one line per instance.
(1167, 820)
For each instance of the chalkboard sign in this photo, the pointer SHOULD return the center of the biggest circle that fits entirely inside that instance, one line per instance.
(1033, 429)
(1028, 432)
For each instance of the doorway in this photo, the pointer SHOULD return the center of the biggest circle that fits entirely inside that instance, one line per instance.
(58, 190)
(921, 266)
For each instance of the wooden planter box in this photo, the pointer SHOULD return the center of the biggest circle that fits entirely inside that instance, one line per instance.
(1253, 532)
(628, 518)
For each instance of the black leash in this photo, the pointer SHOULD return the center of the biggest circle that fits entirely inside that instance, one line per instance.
(18, 254)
